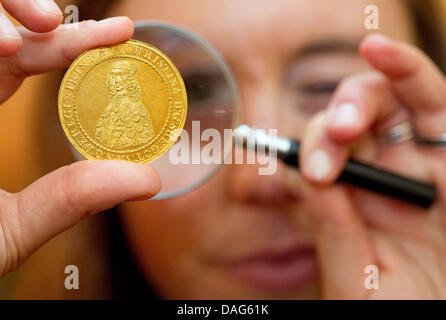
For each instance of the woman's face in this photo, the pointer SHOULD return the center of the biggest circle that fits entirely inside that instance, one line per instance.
(244, 235)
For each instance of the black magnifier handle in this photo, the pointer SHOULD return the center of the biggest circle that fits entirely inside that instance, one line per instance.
(375, 179)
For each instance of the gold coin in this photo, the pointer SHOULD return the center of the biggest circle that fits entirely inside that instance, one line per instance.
(125, 102)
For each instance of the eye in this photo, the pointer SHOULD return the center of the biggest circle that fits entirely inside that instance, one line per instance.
(315, 96)
(202, 87)
(319, 88)
(197, 87)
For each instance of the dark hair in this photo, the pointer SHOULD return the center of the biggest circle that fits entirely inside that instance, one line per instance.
(429, 28)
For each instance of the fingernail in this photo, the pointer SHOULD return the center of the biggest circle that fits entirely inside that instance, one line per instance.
(7, 29)
(346, 114)
(113, 19)
(48, 6)
(319, 164)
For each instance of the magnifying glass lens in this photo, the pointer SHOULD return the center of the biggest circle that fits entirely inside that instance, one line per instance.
(213, 106)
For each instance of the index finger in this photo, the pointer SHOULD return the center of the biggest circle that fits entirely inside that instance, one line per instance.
(35, 15)
(414, 77)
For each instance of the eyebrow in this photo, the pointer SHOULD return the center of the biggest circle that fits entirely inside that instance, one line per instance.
(329, 46)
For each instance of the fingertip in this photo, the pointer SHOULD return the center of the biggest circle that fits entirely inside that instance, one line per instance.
(141, 180)
(373, 47)
(111, 181)
(47, 7)
(152, 181)
(316, 162)
(318, 167)
(36, 15)
(47, 17)
(373, 40)
(345, 122)
(127, 24)
(321, 158)
(46, 24)
(91, 34)
(387, 55)
(122, 27)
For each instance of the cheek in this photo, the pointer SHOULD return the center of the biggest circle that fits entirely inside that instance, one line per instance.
(167, 236)
(157, 232)
(162, 244)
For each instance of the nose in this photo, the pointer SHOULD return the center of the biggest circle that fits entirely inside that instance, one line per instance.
(261, 104)
(261, 101)
(272, 190)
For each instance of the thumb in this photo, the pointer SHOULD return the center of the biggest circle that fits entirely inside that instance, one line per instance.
(61, 199)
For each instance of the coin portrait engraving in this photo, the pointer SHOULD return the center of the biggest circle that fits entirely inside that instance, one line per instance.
(123, 102)
(125, 121)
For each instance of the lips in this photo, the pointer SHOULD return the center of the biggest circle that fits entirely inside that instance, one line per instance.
(283, 269)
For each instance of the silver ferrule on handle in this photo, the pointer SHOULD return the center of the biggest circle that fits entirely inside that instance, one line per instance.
(256, 139)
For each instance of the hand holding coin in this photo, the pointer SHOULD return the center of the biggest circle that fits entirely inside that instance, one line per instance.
(59, 200)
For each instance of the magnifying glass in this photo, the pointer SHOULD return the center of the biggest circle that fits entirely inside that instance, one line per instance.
(214, 106)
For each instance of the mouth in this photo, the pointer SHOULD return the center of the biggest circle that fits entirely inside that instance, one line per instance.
(276, 269)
